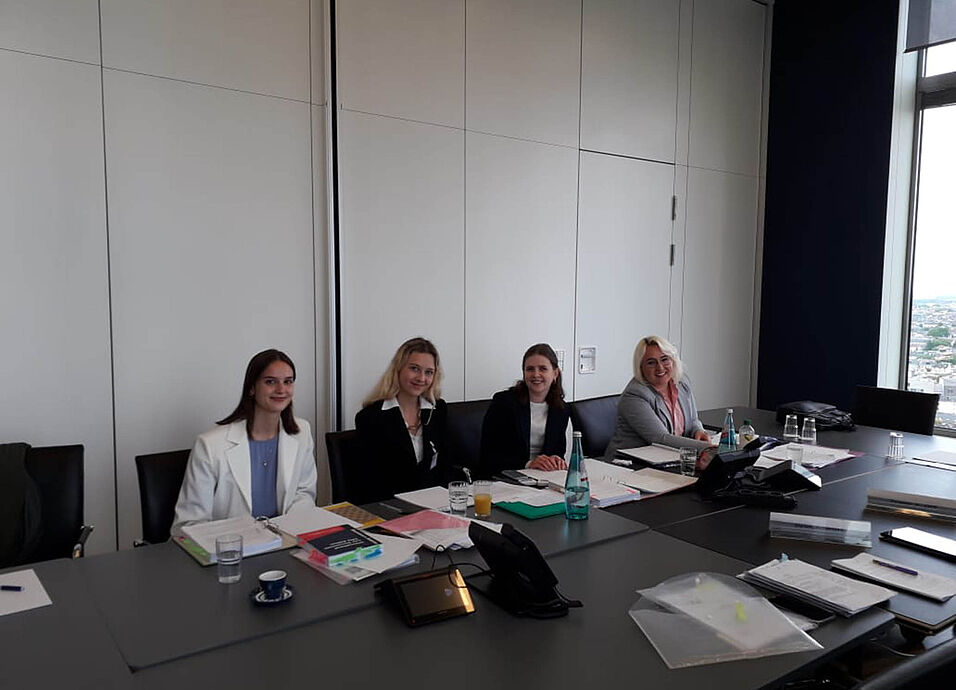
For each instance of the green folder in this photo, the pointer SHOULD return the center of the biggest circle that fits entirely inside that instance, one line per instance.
(532, 512)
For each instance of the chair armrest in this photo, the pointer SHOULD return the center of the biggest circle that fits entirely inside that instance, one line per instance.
(85, 532)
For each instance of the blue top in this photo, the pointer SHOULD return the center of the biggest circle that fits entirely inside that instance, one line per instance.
(264, 456)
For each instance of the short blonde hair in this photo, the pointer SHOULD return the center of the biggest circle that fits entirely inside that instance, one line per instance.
(387, 386)
(666, 347)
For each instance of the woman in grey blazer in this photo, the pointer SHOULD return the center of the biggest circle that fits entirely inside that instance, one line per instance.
(657, 406)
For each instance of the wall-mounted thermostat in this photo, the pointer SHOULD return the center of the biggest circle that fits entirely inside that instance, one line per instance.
(587, 359)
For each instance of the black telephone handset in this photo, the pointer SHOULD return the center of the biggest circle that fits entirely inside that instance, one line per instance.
(521, 580)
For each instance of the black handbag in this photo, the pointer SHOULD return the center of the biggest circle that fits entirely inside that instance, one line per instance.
(828, 417)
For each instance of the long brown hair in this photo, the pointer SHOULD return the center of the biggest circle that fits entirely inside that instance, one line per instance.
(246, 409)
(555, 396)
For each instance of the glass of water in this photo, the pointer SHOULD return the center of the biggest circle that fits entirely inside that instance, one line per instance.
(688, 461)
(458, 497)
(229, 558)
(790, 430)
(808, 435)
(895, 450)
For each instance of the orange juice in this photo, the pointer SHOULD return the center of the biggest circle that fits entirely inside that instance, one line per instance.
(482, 505)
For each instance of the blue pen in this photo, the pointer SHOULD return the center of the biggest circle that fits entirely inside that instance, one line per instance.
(908, 571)
(11, 588)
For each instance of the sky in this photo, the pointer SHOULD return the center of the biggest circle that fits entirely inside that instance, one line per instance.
(934, 273)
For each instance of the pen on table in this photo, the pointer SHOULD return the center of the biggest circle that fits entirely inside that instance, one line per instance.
(11, 588)
(902, 569)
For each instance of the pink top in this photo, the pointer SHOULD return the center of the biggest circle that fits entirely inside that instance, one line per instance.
(673, 406)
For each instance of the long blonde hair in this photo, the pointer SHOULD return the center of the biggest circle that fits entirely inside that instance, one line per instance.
(387, 386)
(666, 348)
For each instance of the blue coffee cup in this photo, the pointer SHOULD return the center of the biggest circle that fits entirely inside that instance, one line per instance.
(272, 583)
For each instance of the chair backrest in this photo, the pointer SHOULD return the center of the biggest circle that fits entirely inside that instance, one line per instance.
(595, 418)
(889, 408)
(57, 472)
(344, 464)
(933, 668)
(463, 432)
(160, 478)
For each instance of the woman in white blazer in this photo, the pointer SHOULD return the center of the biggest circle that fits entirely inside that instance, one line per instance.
(258, 460)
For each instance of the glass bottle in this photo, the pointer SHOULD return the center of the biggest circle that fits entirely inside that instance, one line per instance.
(577, 491)
(728, 434)
(747, 433)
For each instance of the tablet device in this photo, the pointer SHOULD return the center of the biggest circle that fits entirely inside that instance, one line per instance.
(429, 597)
(923, 541)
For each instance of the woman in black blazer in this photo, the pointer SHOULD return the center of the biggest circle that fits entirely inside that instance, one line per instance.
(528, 425)
(401, 426)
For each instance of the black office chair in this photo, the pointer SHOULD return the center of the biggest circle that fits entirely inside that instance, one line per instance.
(160, 478)
(343, 448)
(463, 433)
(933, 668)
(595, 418)
(889, 408)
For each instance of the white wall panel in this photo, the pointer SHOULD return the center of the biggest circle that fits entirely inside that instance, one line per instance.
(726, 85)
(520, 254)
(405, 59)
(629, 77)
(718, 286)
(624, 273)
(59, 28)
(54, 301)
(401, 217)
(210, 210)
(523, 69)
(252, 45)
(323, 331)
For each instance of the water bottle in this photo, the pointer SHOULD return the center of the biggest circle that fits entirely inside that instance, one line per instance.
(747, 433)
(577, 491)
(728, 434)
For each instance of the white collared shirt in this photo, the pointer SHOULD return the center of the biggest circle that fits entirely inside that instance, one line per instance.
(418, 440)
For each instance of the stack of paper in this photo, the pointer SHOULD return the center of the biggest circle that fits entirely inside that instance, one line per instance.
(826, 589)
(436, 531)
(256, 537)
(914, 504)
(814, 528)
(898, 576)
(606, 488)
(654, 454)
(814, 457)
(397, 552)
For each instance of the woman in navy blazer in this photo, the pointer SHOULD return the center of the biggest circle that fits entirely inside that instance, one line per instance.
(401, 426)
(528, 425)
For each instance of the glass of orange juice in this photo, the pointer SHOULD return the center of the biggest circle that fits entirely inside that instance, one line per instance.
(482, 498)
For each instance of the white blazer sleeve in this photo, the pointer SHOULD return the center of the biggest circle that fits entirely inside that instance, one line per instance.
(305, 485)
(199, 486)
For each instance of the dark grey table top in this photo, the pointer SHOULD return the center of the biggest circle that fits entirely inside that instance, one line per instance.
(595, 646)
(66, 644)
(189, 611)
(743, 533)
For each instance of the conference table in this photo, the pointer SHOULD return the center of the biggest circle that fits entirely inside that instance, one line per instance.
(152, 618)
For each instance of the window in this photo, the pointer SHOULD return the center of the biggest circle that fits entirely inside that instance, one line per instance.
(931, 337)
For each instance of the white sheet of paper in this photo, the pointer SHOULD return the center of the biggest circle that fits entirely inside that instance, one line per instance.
(395, 551)
(434, 497)
(928, 584)
(846, 593)
(942, 456)
(813, 456)
(33, 595)
(653, 455)
(651, 481)
(310, 519)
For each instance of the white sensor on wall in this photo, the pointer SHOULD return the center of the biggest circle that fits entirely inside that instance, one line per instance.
(587, 359)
